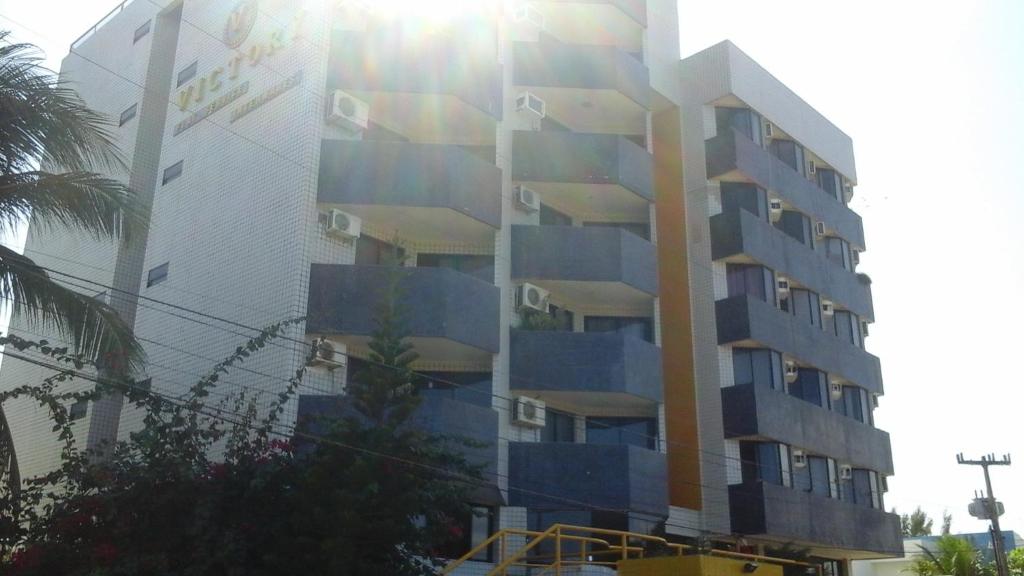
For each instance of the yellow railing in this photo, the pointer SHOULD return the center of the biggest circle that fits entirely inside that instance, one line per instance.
(596, 547)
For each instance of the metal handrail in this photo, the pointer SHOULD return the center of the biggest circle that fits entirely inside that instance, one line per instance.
(100, 24)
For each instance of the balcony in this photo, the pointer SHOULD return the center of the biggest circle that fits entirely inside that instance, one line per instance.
(431, 192)
(751, 322)
(787, 515)
(587, 88)
(741, 236)
(428, 87)
(606, 22)
(564, 475)
(751, 412)
(451, 317)
(436, 414)
(585, 173)
(589, 267)
(596, 372)
(734, 157)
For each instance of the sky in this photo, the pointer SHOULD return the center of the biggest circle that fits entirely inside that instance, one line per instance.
(932, 93)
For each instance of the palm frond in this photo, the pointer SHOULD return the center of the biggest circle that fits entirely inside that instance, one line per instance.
(90, 326)
(83, 201)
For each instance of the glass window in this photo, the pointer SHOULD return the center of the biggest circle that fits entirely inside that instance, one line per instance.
(141, 31)
(188, 73)
(847, 327)
(797, 226)
(761, 462)
(751, 280)
(551, 217)
(128, 114)
(818, 468)
(631, 326)
(642, 432)
(791, 153)
(862, 488)
(811, 386)
(78, 410)
(481, 267)
(641, 229)
(853, 403)
(173, 171)
(876, 490)
(758, 366)
(831, 182)
(373, 252)
(743, 120)
(158, 274)
(737, 195)
(558, 427)
(838, 251)
(805, 305)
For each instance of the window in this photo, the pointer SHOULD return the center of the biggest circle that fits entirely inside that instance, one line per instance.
(188, 73)
(811, 386)
(78, 410)
(141, 31)
(862, 494)
(758, 366)
(157, 275)
(641, 229)
(144, 385)
(855, 404)
(481, 267)
(831, 182)
(751, 280)
(642, 432)
(551, 217)
(373, 252)
(736, 195)
(805, 305)
(761, 461)
(847, 327)
(791, 153)
(472, 530)
(128, 114)
(173, 171)
(743, 120)
(838, 250)
(630, 326)
(558, 427)
(797, 226)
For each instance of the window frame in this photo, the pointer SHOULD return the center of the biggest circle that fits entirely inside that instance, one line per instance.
(142, 31)
(187, 73)
(128, 114)
(173, 172)
(158, 274)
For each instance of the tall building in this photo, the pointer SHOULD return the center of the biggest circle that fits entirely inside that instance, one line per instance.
(632, 278)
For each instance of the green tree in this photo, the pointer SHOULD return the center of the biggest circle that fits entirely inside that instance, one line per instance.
(1015, 560)
(916, 524)
(50, 145)
(952, 557)
(947, 523)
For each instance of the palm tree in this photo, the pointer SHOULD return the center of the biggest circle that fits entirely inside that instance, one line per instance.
(952, 557)
(51, 144)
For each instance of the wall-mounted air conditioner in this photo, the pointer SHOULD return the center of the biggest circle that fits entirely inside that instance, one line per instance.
(532, 297)
(531, 106)
(529, 15)
(836, 388)
(526, 199)
(828, 308)
(343, 225)
(327, 354)
(529, 412)
(799, 459)
(846, 472)
(820, 229)
(782, 285)
(863, 328)
(348, 112)
(792, 371)
(812, 167)
(769, 129)
(775, 209)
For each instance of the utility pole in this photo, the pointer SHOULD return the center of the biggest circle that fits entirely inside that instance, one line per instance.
(989, 508)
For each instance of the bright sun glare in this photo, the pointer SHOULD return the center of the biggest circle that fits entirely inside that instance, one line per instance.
(435, 11)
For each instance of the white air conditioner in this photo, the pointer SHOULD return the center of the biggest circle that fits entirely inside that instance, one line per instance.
(820, 229)
(343, 225)
(799, 459)
(856, 256)
(812, 167)
(529, 412)
(847, 192)
(775, 209)
(526, 199)
(846, 472)
(529, 15)
(863, 328)
(327, 354)
(828, 308)
(836, 388)
(792, 371)
(874, 400)
(348, 112)
(532, 297)
(769, 129)
(782, 285)
(531, 106)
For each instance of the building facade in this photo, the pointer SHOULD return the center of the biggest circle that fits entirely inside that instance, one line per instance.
(599, 277)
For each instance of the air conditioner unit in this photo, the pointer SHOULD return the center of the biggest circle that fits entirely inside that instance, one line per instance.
(327, 354)
(812, 167)
(846, 472)
(782, 285)
(769, 129)
(528, 412)
(863, 328)
(820, 229)
(792, 371)
(828, 308)
(799, 459)
(531, 106)
(348, 112)
(343, 225)
(526, 199)
(532, 297)
(529, 15)
(836, 388)
(847, 192)
(775, 209)
(856, 256)
(874, 400)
